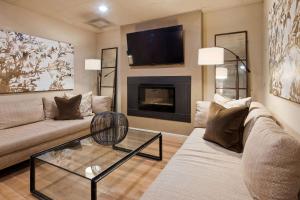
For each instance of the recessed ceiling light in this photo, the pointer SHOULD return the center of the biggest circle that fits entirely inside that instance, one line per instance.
(103, 8)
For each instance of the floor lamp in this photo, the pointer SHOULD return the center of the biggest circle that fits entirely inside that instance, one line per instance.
(94, 64)
(215, 56)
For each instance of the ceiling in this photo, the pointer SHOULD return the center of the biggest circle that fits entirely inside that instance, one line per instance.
(83, 13)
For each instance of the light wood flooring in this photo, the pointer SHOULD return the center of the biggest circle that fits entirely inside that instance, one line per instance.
(128, 182)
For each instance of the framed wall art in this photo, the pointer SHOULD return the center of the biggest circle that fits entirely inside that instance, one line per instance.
(284, 49)
(31, 64)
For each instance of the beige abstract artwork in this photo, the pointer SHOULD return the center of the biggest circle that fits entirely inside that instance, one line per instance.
(31, 64)
(284, 49)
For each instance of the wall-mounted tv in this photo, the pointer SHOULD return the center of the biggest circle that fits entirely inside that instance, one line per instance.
(156, 47)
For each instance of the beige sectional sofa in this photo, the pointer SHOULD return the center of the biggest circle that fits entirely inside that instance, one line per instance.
(204, 170)
(24, 129)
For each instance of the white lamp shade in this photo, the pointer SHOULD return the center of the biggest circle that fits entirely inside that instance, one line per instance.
(221, 73)
(211, 56)
(92, 64)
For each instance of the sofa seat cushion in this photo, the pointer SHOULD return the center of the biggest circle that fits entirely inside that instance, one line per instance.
(200, 170)
(29, 135)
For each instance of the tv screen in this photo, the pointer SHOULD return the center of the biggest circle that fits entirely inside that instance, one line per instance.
(155, 47)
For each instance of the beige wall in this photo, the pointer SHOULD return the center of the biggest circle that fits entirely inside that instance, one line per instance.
(245, 18)
(109, 39)
(192, 38)
(21, 20)
(287, 112)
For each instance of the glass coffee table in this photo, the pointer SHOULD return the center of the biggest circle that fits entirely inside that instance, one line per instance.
(72, 170)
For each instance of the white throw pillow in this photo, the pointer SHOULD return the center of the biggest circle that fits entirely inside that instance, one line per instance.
(201, 115)
(230, 103)
(85, 105)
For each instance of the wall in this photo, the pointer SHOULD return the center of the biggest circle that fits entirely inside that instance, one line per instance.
(109, 39)
(286, 112)
(245, 18)
(192, 38)
(22, 20)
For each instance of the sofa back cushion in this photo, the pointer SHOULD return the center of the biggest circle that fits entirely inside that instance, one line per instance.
(256, 111)
(271, 162)
(18, 113)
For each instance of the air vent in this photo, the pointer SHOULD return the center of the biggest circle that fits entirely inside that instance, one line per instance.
(99, 23)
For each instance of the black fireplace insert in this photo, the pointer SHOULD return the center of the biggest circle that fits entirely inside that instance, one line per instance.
(157, 97)
(160, 97)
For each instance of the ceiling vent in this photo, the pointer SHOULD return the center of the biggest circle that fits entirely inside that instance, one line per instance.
(99, 23)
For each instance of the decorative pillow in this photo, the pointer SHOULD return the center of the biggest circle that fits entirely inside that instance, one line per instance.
(101, 104)
(68, 108)
(221, 100)
(271, 162)
(85, 105)
(229, 103)
(225, 126)
(50, 108)
(202, 108)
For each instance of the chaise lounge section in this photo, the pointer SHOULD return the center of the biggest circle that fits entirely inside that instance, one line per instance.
(204, 170)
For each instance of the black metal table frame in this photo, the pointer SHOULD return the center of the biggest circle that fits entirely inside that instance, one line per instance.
(103, 174)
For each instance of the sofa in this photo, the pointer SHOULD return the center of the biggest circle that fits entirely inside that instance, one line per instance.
(26, 129)
(204, 170)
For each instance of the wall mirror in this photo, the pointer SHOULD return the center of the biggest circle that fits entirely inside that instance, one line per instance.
(108, 77)
(231, 79)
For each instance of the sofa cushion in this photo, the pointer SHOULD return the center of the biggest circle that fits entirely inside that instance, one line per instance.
(229, 103)
(201, 115)
(29, 135)
(86, 103)
(200, 170)
(225, 126)
(271, 162)
(101, 104)
(68, 109)
(254, 114)
(16, 113)
(50, 108)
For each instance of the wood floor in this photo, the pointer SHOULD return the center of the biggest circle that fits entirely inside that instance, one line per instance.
(128, 182)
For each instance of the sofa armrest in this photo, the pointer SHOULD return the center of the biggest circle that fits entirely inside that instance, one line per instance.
(201, 115)
(101, 104)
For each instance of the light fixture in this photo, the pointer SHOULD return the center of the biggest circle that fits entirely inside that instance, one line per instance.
(215, 56)
(211, 56)
(103, 8)
(243, 67)
(221, 73)
(92, 64)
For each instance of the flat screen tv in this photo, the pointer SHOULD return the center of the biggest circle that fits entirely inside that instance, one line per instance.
(156, 47)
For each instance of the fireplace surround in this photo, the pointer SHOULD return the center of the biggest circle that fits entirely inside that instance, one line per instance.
(160, 97)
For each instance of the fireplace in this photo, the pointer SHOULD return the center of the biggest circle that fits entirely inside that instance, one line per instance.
(157, 97)
(160, 97)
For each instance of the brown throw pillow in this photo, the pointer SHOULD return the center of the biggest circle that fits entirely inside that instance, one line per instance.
(68, 108)
(225, 126)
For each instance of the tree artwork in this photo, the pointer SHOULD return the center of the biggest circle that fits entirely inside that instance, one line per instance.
(284, 49)
(29, 64)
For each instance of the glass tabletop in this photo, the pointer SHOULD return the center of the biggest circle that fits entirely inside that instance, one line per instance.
(88, 159)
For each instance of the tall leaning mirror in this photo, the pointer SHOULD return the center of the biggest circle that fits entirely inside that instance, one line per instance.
(231, 79)
(108, 78)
